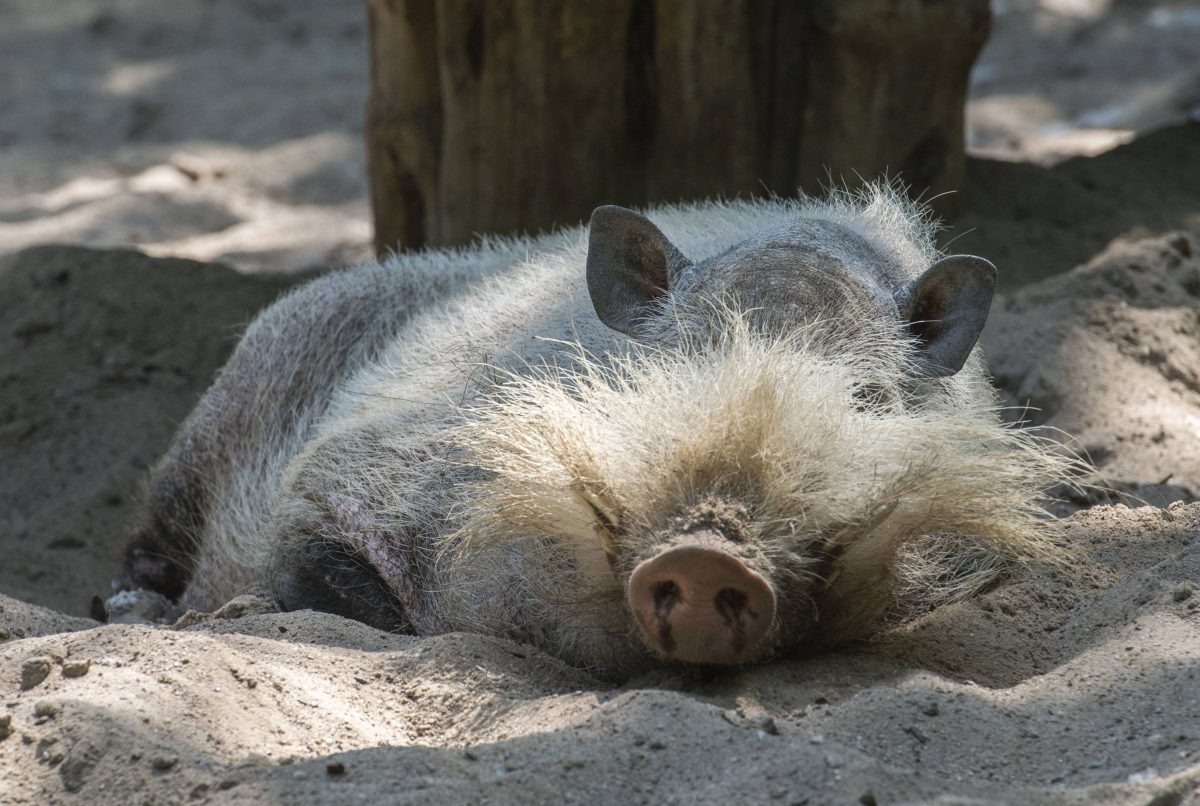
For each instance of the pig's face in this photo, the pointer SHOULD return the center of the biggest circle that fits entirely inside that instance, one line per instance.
(748, 479)
(714, 506)
(668, 484)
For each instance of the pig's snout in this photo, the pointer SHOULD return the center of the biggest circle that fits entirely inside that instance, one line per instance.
(699, 604)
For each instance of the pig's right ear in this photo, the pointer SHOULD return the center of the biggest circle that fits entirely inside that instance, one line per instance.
(630, 265)
(945, 309)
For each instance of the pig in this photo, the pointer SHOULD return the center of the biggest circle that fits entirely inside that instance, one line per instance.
(707, 435)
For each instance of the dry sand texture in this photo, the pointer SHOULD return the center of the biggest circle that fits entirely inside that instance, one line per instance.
(221, 130)
(1074, 688)
(1062, 78)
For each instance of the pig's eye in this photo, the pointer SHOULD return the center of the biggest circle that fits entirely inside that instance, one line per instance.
(604, 511)
(869, 397)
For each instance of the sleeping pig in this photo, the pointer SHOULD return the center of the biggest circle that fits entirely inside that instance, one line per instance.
(704, 436)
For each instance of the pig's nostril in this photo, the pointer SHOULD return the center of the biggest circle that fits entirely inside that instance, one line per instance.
(666, 594)
(730, 602)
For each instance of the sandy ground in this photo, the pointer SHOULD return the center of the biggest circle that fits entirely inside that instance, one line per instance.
(1081, 687)
(1063, 78)
(209, 130)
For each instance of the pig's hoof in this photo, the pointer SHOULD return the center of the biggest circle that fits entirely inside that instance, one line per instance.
(139, 607)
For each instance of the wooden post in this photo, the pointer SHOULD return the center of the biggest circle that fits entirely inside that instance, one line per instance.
(511, 115)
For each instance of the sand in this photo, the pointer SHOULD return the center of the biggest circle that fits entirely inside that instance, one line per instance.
(1077, 687)
(223, 141)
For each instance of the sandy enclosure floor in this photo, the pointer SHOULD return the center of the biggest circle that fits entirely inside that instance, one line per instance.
(209, 129)
(1063, 78)
(1079, 687)
(209, 132)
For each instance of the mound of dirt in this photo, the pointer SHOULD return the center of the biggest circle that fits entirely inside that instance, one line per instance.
(1033, 222)
(102, 354)
(1076, 687)
(1110, 354)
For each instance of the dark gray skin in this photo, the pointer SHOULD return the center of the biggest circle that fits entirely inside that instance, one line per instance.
(812, 270)
(807, 271)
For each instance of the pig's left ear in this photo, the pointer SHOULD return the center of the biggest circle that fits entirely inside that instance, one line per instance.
(630, 264)
(945, 309)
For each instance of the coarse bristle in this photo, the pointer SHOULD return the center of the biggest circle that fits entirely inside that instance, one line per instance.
(814, 444)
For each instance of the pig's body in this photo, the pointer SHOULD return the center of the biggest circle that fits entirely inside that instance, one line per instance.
(423, 446)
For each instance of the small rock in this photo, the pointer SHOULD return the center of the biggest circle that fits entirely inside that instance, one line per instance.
(931, 709)
(245, 605)
(164, 761)
(5, 726)
(1182, 593)
(49, 751)
(137, 607)
(916, 733)
(34, 671)
(45, 709)
(76, 668)
(335, 768)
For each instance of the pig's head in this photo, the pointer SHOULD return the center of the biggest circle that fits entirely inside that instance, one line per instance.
(753, 474)
(807, 272)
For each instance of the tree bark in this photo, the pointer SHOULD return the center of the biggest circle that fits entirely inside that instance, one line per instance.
(520, 115)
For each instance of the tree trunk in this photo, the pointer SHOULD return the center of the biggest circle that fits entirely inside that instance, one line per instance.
(511, 115)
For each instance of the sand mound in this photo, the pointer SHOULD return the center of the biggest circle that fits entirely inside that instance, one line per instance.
(102, 354)
(1051, 688)
(1110, 354)
(1033, 222)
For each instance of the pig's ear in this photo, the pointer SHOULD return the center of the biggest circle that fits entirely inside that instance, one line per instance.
(945, 309)
(630, 264)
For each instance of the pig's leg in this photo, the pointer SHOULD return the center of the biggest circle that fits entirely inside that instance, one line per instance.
(337, 579)
(211, 493)
(338, 547)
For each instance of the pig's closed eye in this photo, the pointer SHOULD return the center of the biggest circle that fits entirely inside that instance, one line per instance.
(870, 397)
(605, 513)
